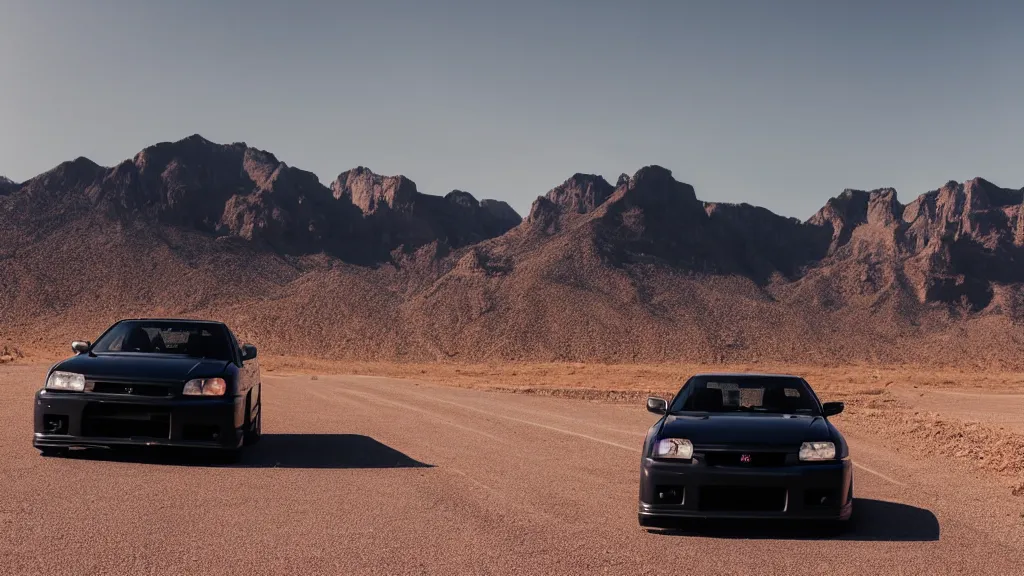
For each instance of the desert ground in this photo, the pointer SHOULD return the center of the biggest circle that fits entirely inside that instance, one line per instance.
(510, 469)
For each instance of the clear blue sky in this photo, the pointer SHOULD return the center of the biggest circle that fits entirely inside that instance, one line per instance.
(781, 104)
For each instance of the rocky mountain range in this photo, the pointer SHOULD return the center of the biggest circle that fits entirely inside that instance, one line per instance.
(642, 270)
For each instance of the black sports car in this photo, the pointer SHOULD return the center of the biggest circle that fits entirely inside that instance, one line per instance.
(745, 446)
(148, 382)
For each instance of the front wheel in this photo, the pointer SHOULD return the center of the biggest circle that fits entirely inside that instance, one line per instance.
(255, 429)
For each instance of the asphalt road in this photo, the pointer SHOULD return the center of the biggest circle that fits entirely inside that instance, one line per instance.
(359, 475)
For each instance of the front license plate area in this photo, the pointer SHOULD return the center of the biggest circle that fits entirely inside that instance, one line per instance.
(742, 499)
(125, 421)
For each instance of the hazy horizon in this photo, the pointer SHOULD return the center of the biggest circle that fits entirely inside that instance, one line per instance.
(781, 108)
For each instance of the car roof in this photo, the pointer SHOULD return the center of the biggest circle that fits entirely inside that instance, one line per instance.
(733, 374)
(188, 320)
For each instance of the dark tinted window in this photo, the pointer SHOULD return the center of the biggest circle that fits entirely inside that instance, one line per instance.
(771, 394)
(162, 337)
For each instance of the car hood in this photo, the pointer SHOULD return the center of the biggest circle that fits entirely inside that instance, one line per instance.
(749, 429)
(147, 366)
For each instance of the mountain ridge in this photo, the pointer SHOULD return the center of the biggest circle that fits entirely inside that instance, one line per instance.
(566, 188)
(642, 270)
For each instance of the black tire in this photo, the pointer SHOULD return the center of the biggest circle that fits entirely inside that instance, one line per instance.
(849, 519)
(254, 430)
(54, 452)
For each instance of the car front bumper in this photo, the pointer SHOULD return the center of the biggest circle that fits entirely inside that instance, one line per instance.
(812, 491)
(77, 419)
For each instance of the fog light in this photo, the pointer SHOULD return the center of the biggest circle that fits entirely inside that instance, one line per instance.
(55, 424)
(820, 498)
(669, 495)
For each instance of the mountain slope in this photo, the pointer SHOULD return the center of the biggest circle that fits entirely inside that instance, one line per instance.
(371, 268)
(653, 274)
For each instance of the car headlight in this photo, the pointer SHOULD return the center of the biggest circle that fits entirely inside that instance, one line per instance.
(674, 448)
(65, 381)
(205, 387)
(812, 451)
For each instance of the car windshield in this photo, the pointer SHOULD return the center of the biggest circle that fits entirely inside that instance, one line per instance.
(198, 340)
(765, 394)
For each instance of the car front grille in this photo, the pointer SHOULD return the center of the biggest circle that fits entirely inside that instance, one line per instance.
(745, 459)
(135, 389)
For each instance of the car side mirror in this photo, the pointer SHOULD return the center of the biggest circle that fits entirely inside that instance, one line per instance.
(657, 405)
(248, 352)
(832, 408)
(81, 346)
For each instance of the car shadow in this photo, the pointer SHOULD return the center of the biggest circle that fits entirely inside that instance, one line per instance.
(872, 521)
(324, 451)
(272, 451)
